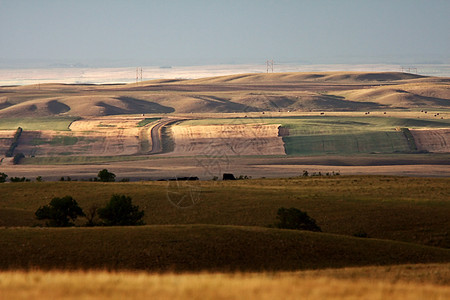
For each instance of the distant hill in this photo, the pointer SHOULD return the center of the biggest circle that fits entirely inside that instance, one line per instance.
(347, 77)
(324, 91)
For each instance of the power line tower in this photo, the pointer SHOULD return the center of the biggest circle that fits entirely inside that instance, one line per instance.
(269, 65)
(408, 69)
(138, 75)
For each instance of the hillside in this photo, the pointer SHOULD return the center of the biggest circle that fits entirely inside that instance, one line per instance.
(399, 208)
(326, 77)
(200, 248)
(326, 91)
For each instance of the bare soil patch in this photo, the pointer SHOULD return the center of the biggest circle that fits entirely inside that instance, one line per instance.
(240, 139)
(432, 140)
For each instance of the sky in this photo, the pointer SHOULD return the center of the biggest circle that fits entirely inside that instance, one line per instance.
(202, 32)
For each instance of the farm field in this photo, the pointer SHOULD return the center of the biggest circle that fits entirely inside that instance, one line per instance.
(227, 118)
(375, 147)
(316, 135)
(293, 114)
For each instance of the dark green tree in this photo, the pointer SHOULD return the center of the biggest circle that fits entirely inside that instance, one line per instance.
(293, 218)
(121, 212)
(17, 158)
(3, 177)
(60, 211)
(106, 176)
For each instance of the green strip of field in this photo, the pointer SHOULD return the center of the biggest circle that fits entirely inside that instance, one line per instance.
(147, 121)
(328, 124)
(41, 123)
(369, 142)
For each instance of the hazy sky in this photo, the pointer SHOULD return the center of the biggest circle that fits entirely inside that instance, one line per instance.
(175, 32)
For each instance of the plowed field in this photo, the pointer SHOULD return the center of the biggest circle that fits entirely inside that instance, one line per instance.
(242, 139)
(432, 140)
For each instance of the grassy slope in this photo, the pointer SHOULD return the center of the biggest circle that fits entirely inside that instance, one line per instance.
(200, 247)
(405, 209)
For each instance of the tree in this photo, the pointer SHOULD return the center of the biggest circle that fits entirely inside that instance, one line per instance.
(293, 218)
(120, 211)
(60, 211)
(106, 176)
(91, 215)
(3, 177)
(17, 158)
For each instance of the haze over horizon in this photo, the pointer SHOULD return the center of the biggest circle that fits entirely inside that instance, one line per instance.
(100, 33)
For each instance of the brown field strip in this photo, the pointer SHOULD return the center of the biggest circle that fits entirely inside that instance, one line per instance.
(432, 140)
(236, 139)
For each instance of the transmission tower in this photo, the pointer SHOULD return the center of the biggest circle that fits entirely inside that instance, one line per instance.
(269, 65)
(409, 69)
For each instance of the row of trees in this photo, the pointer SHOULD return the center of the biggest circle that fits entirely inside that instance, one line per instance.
(119, 211)
(103, 176)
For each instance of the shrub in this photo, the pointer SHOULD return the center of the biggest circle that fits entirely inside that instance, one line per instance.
(19, 179)
(293, 218)
(59, 212)
(17, 158)
(3, 177)
(228, 176)
(106, 176)
(361, 234)
(91, 215)
(120, 211)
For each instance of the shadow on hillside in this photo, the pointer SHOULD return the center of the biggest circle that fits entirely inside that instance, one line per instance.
(213, 103)
(135, 106)
(56, 107)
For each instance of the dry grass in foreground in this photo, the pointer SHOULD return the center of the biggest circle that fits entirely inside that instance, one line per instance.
(93, 285)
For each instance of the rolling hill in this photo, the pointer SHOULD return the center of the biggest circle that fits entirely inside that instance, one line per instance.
(200, 248)
(327, 91)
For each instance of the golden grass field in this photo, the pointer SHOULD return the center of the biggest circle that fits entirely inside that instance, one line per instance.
(350, 283)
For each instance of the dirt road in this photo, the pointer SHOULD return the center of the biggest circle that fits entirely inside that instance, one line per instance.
(156, 134)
